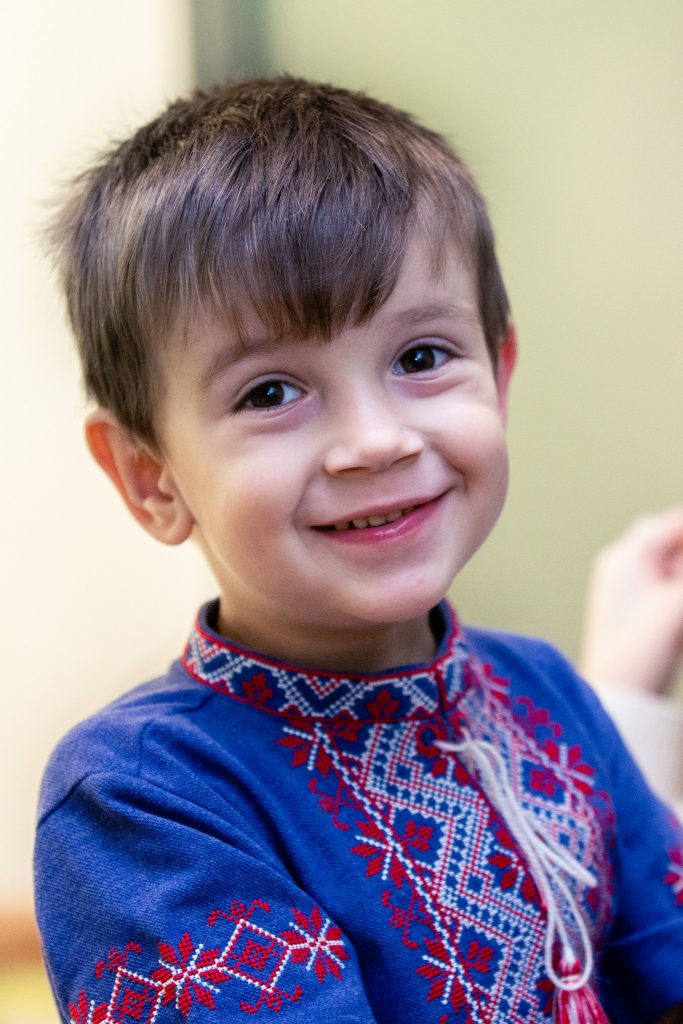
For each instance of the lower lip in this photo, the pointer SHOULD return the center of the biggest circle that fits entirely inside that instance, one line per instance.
(401, 529)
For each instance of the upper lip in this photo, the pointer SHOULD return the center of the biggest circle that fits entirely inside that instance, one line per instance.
(383, 508)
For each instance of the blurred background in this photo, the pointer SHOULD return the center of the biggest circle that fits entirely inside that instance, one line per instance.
(569, 113)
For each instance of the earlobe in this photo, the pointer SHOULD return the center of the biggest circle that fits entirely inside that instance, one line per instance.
(507, 359)
(141, 477)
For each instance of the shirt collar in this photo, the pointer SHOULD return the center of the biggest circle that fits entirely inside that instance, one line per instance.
(406, 692)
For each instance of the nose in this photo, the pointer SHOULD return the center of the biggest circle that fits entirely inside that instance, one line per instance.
(370, 436)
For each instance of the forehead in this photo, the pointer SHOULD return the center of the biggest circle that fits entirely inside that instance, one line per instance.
(441, 274)
(434, 285)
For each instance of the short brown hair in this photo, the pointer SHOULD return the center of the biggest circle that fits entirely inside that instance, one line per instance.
(294, 198)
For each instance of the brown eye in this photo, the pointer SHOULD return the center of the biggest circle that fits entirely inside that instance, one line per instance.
(270, 395)
(421, 358)
(266, 395)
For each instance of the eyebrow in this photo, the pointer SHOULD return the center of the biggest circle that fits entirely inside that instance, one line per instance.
(225, 356)
(417, 315)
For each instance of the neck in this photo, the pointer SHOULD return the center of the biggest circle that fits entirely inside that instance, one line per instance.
(371, 649)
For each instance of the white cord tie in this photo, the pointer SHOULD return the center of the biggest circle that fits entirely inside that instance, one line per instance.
(547, 860)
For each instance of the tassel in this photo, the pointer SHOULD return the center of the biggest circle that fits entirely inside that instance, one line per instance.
(572, 1005)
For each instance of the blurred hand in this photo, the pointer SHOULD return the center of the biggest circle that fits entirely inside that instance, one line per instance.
(633, 627)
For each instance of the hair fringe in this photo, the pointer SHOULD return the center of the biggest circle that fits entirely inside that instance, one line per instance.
(290, 198)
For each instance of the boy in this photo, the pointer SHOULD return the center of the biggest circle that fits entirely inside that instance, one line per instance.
(338, 804)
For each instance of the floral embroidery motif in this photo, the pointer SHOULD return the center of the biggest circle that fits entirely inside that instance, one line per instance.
(189, 974)
(317, 943)
(403, 917)
(674, 876)
(439, 857)
(445, 984)
(257, 689)
(420, 823)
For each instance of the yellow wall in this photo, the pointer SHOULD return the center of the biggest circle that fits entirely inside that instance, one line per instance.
(78, 577)
(571, 115)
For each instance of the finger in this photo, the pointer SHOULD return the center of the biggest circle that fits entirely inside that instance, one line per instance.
(661, 534)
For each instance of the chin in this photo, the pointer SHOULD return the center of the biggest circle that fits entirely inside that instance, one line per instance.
(393, 605)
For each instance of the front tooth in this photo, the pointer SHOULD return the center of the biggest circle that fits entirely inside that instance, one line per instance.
(377, 520)
(360, 524)
(393, 516)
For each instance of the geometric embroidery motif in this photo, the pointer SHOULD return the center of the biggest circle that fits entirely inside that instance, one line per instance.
(441, 860)
(452, 879)
(189, 974)
(287, 690)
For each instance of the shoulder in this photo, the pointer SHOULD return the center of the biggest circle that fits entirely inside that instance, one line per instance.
(528, 654)
(526, 662)
(543, 686)
(113, 740)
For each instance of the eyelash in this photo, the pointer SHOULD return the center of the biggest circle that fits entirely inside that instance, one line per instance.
(437, 356)
(248, 401)
(443, 355)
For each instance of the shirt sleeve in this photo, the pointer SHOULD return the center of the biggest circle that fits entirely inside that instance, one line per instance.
(641, 969)
(149, 914)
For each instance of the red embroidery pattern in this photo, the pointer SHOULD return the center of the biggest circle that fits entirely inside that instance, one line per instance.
(316, 943)
(445, 986)
(189, 974)
(422, 825)
(404, 917)
(443, 863)
(674, 876)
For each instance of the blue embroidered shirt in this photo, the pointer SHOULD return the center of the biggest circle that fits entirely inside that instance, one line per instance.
(245, 837)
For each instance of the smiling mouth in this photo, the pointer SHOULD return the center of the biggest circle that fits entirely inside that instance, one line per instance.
(363, 522)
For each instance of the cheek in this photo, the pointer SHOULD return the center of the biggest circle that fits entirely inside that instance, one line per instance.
(485, 473)
(476, 444)
(259, 498)
(495, 475)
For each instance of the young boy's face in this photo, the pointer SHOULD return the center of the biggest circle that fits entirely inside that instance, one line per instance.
(338, 487)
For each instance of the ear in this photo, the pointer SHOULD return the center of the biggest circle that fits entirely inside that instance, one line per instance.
(507, 359)
(142, 478)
